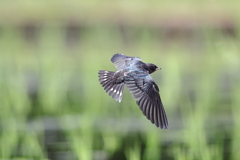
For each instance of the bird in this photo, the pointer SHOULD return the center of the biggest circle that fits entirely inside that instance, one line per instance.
(135, 74)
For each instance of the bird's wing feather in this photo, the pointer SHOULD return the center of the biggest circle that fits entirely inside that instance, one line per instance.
(121, 61)
(146, 93)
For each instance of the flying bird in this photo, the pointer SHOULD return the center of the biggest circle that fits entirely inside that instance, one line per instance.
(135, 74)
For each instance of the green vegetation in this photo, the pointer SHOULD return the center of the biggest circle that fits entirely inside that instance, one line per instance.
(53, 107)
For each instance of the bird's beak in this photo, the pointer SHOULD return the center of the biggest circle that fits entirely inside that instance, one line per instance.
(158, 68)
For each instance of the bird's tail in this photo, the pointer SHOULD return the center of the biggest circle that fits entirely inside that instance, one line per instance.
(114, 89)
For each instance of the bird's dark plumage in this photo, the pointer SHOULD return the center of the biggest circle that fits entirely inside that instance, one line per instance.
(135, 75)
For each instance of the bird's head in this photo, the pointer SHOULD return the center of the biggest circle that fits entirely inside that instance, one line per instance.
(152, 68)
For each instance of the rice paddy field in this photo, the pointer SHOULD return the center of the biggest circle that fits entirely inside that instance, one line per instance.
(52, 106)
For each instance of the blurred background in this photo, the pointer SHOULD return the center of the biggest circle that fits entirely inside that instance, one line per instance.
(53, 107)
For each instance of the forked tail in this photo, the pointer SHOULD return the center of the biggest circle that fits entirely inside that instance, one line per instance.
(111, 84)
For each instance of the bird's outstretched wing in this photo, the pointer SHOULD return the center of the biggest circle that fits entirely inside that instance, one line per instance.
(146, 93)
(121, 61)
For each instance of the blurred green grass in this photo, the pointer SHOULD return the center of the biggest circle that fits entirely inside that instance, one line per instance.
(53, 107)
